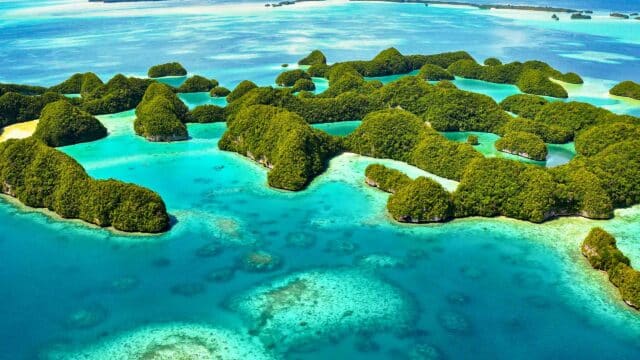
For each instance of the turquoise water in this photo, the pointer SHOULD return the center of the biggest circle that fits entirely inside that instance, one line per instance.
(481, 287)
(558, 154)
(374, 289)
(340, 128)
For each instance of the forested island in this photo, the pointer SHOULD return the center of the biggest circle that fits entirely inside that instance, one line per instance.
(627, 88)
(42, 177)
(401, 120)
(600, 249)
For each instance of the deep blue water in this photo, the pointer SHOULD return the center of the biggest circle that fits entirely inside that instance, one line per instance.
(473, 288)
(46, 47)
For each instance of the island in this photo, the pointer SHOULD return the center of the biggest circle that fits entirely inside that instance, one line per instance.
(414, 201)
(599, 247)
(47, 178)
(219, 91)
(401, 120)
(197, 83)
(161, 115)
(63, 124)
(627, 88)
(167, 69)
(315, 57)
(524, 144)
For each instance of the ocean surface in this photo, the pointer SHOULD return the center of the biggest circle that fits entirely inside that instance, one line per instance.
(344, 280)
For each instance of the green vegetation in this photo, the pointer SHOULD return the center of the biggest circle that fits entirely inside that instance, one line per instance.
(42, 177)
(78, 84)
(472, 140)
(197, 83)
(400, 135)
(422, 200)
(118, 94)
(618, 168)
(15, 108)
(316, 57)
(496, 186)
(242, 88)
(556, 122)
(627, 88)
(580, 192)
(573, 116)
(318, 70)
(303, 85)
(524, 105)
(207, 114)
(385, 179)
(344, 107)
(523, 144)
(22, 89)
(391, 134)
(400, 122)
(433, 72)
(161, 115)
(294, 151)
(595, 139)
(537, 83)
(63, 124)
(438, 155)
(444, 60)
(458, 110)
(289, 78)
(600, 249)
(387, 62)
(415, 201)
(219, 91)
(531, 76)
(492, 61)
(168, 69)
(553, 134)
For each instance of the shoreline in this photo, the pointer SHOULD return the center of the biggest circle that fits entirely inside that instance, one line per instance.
(482, 6)
(26, 210)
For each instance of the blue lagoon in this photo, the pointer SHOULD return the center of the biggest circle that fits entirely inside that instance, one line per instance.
(250, 271)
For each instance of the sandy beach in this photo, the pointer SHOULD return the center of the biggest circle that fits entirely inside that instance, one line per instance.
(18, 131)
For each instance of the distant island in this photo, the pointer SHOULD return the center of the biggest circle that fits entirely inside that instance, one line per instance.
(484, 6)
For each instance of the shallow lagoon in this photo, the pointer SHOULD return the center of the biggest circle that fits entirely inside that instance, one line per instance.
(487, 288)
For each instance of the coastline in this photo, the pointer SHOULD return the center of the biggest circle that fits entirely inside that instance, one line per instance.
(27, 210)
(480, 6)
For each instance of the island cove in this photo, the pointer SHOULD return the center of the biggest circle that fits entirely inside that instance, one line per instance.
(408, 119)
(400, 120)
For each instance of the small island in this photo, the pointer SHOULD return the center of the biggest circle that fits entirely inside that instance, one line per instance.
(197, 83)
(63, 124)
(627, 88)
(47, 178)
(524, 144)
(161, 115)
(168, 69)
(600, 249)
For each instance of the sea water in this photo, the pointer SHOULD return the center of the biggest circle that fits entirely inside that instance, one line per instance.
(364, 286)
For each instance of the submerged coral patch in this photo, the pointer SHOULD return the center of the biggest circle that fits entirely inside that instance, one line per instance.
(379, 261)
(87, 317)
(317, 304)
(169, 341)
